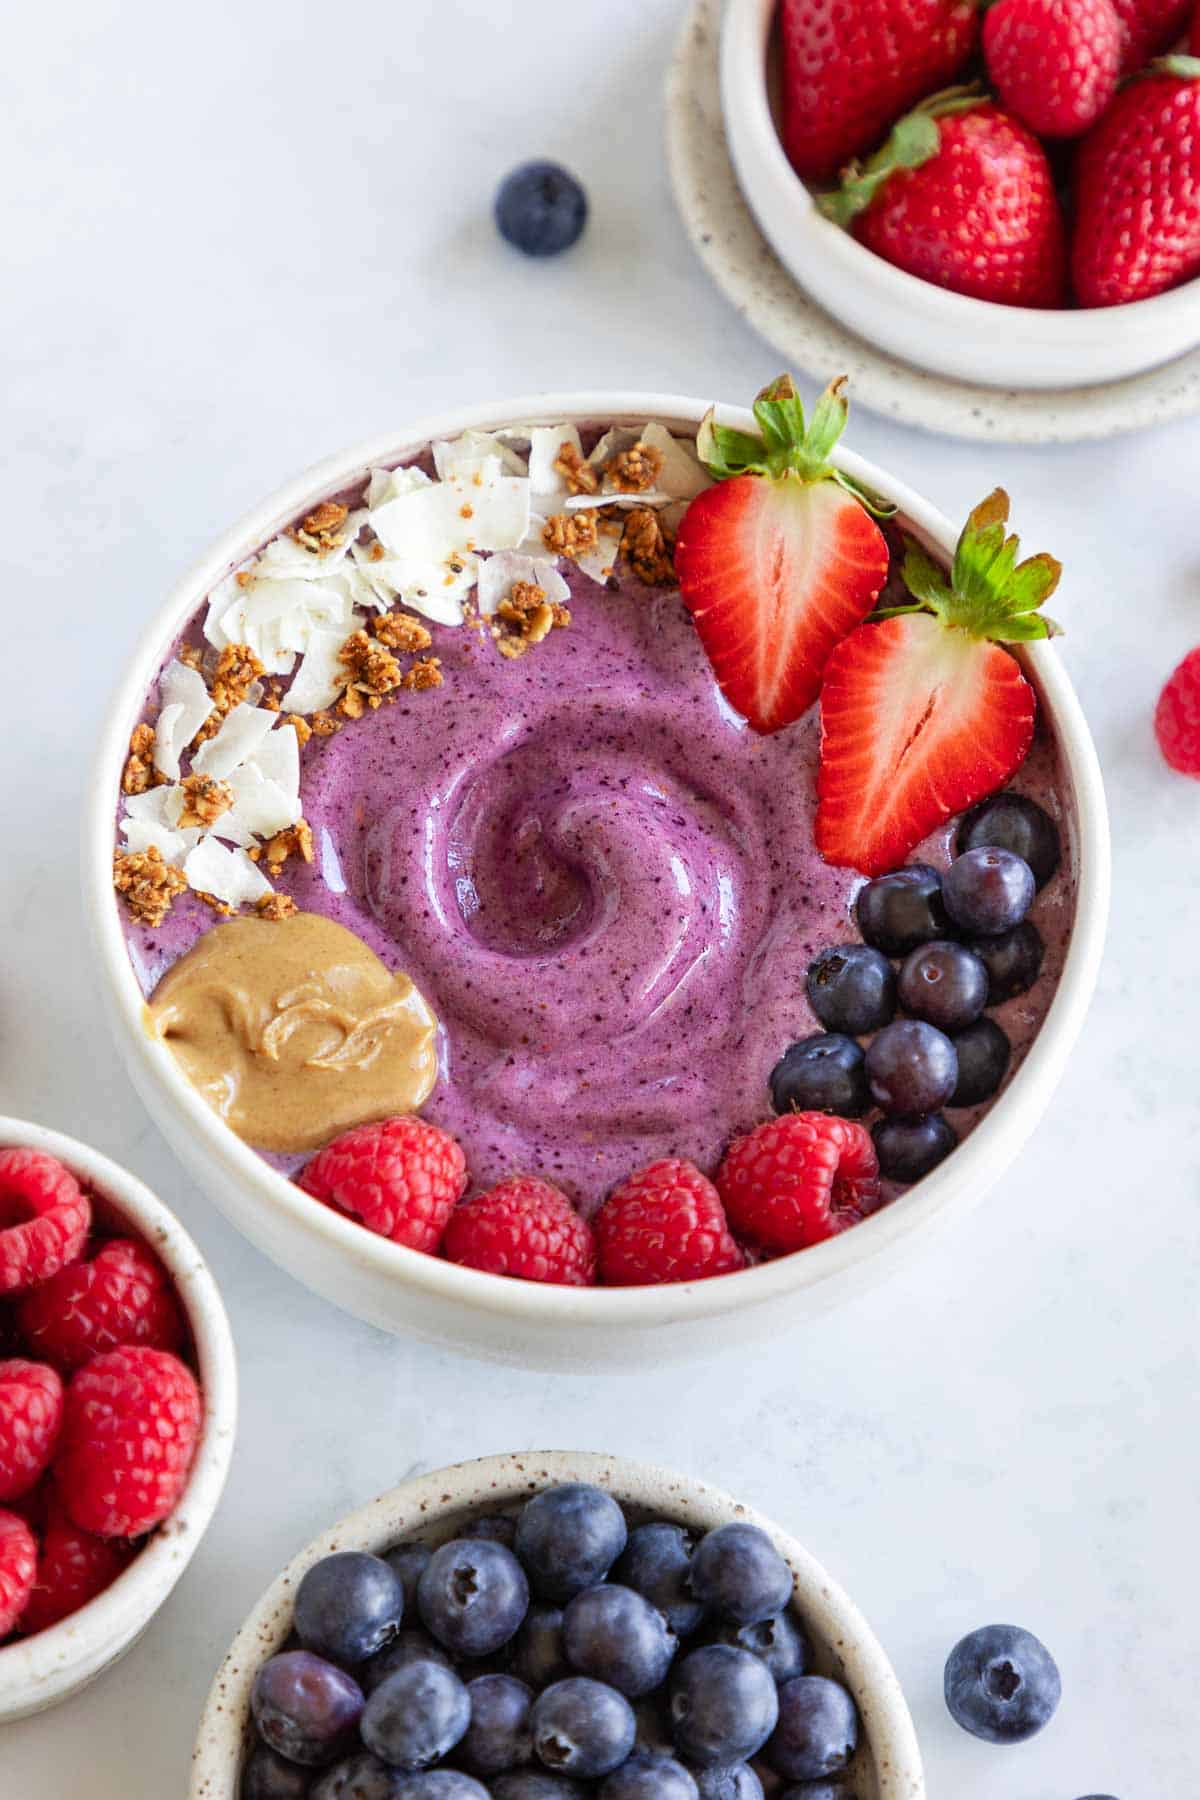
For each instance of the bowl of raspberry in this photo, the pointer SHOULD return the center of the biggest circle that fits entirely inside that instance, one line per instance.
(118, 1409)
(1007, 195)
(588, 872)
(544, 1625)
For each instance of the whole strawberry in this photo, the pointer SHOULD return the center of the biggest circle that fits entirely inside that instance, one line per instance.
(961, 195)
(850, 70)
(1137, 190)
(1148, 27)
(130, 1431)
(1053, 63)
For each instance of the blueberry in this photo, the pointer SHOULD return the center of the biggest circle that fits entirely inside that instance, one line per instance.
(738, 1574)
(817, 1733)
(541, 209)
(723, 1705)
(409, 1562)
(779, 1643)
(1014, 822)
(650, 1778)
(912, 1068)
(497, 1528)
(348, 1606)
(852, 988)
(568, 1538)
(983, 1054)
(655, 1563)
(897, 912)
(304, 1707)
(909, 1148)
(943, 983)
(411, 1645)
(531, 1784)
(1002, 1685)
(267, 1776)
(614, 1635)
(1013, 961)
(439, 1784)
(825, 1073)
(988, 891)
(473, 1596)
(360, 1777)
(818, 1790)
(737, 1781)
(581, 1727)
(500, 1735)
(538, 1654)
(416, 1715)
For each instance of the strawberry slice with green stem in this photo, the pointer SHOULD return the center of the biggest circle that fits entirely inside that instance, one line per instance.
(922, 712)
(780, 558)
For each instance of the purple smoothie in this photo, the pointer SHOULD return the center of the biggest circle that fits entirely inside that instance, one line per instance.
(605, 885)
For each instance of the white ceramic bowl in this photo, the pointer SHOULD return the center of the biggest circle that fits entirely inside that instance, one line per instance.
(39, 1671)
(440, 1505)
(972, 340)
(525, 1322)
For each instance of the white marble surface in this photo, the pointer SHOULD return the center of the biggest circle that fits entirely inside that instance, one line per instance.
(238, 236)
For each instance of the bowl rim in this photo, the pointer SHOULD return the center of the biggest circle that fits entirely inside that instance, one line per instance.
(417, 1505)
(504, 1298)
(37, 1671)
(745, 46)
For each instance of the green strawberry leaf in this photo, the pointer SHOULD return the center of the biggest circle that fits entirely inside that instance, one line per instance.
(988, 594)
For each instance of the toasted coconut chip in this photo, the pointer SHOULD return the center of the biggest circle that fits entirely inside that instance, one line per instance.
(464, 455)
(321, 677)
(432, 525)
(393, 578)
(184, 703)
(241, 732)
(545, 446)
(228, 875)
(148, 834)
(498, 573)
(261, 807)
(153, 805)
(278, 758)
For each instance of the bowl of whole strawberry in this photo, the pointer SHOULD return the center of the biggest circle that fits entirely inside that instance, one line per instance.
(118, 1408)
(1006, 194)
(549, 1625)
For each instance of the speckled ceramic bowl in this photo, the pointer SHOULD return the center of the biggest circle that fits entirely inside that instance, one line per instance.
(438, 1506)
(39, 1671)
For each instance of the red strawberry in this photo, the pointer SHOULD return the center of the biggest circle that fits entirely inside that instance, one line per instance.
(780, 559)
(923, 713)
(850, 70)
(1147, 28)
(1137, 189)
(963, 196)
(1194, 34)
(1054, 63)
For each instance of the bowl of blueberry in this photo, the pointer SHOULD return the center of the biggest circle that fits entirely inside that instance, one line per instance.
(553, 1626)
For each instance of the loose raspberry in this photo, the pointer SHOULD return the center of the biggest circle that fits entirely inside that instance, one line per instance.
(31, 1412)
(130, 1431)
(44, 1218)
(1177, 716)
(18, 1566)
(72, 1569)
(34, 1505)
(401, 1178)
(523, 1227)
(797, 1180)
(123, 1296)
(666, 1223)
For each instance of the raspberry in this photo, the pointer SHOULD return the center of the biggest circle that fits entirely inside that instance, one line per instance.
(1177, 717)
(123, 1296)
(72, 1569)
(402, 1178)
(666, 1223)
(797, 1180)
(31, 1411)
(130, 1430)
(18, 1566)
(44, 1218)
(523, 1227)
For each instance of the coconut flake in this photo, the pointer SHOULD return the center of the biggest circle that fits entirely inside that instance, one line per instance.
(242, 731)
(545, 446)
(498, 573)
(461, 456)
(615, 439)
(228, 875)
(432, 525)
(278, 758)
(682, 475)
(261, 807)
(284, 557)
(148, 834)
(321, 677)
(184, 704)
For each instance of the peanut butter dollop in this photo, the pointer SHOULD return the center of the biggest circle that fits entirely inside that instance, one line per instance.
(293, 1030)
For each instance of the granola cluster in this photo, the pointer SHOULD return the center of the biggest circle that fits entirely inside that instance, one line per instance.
(647, 547)
(572, 534)
(525, 618)
(322, 530)
(634, 471)
(139, 772)
(204, 800)
(148, 884)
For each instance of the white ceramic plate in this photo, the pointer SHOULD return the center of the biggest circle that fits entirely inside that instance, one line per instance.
(743, 264)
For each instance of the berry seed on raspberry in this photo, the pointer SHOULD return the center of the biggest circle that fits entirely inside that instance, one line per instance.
(31, 1411)
(401, 1178)
(130, 1431)
(122, 1296)
(665, 1223)
(524, 1227)
(797, 1180)
(44, 1218)
(18, 1567)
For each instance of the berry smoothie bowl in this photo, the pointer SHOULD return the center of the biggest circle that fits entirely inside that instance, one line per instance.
(556, 870)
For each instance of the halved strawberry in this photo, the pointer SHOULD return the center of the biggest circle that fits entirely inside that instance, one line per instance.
(922, 712)
(780, 559)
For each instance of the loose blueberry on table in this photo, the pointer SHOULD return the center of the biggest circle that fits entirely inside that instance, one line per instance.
(673, 1663)
(630, 886)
